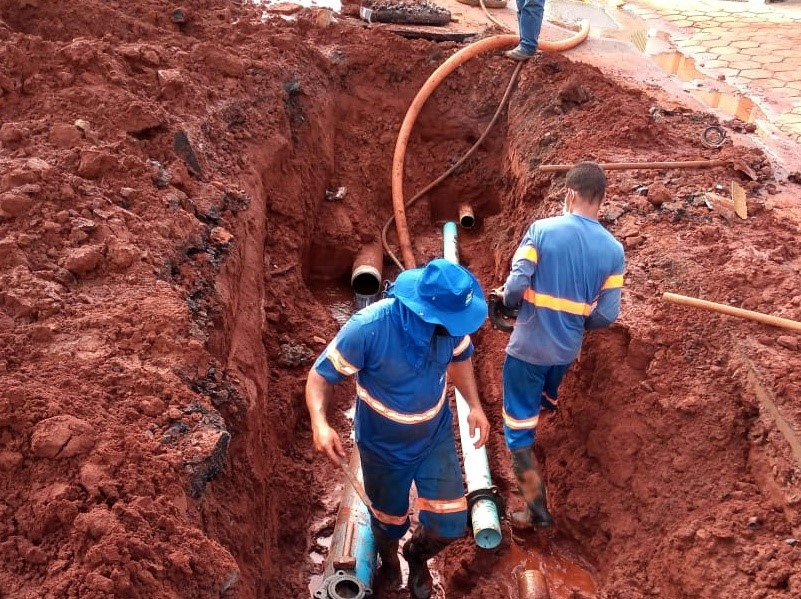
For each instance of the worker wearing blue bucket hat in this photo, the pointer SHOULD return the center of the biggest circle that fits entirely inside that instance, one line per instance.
(400, 350)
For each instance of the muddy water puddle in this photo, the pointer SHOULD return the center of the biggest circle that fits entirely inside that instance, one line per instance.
(560, 565)
(729, 102)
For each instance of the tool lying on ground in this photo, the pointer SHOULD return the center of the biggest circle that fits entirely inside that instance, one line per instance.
(501, 317)
(776, 321)
(357, 486)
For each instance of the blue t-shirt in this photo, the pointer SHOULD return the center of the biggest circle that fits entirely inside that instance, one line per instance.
(566, 276)
(400, 365)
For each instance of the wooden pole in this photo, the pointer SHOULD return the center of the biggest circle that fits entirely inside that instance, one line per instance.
(633, 166)
(776, 321)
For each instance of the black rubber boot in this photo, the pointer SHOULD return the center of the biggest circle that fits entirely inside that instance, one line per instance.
(532, 487)
(389, 572)
(417, 551)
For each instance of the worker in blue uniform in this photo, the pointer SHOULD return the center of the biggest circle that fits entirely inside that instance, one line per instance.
(400, 350)
(566, 277)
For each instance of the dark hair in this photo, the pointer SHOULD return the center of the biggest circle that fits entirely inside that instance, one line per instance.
(588, 180)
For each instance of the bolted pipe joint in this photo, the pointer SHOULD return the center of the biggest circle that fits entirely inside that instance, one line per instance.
(342, 585)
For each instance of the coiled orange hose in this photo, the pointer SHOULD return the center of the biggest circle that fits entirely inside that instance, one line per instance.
(489, 44)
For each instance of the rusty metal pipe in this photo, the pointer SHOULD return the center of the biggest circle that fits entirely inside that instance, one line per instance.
(365, 278)
(349, 569)
(625, 166)
(776, 321)
(531, 584)
(466, 217)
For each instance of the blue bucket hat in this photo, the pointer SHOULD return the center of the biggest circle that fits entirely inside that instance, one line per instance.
(443, 293)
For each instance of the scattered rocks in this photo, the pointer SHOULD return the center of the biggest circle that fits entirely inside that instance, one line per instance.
(13, 204)
(62, 437)
(83, 260)
(574, 93)
(13, 133)
(658, 194)
(95, 163)
(633, 242)
(172, 82)
(788, 342)
(183, 147)
(283, 8)
(65, 136)
(10, 460)
(121, 255)
(294, 354)
(220, 236)
(336, 195)
(152, 406)
(612, 213)
(139, 119)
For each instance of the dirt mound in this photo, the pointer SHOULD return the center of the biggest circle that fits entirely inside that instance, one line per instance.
(164, 224)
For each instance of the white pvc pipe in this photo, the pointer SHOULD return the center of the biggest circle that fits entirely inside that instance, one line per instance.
(484, 515)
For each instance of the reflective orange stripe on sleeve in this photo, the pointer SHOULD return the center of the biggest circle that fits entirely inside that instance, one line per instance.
(442, 506)
(396, 416)
(526, 252)
(389, 518)
(463, 345)
(341, 364)
(543, 300)
(613, 282)
(520, 425)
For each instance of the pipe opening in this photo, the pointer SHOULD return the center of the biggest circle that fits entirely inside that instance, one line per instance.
(366, 283)
(346, 589)
(466, 217)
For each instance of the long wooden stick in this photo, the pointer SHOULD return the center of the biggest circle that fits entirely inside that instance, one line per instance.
(621, 166)
(776, 321)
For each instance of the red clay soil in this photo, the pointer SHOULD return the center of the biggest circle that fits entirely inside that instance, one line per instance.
(164, 228)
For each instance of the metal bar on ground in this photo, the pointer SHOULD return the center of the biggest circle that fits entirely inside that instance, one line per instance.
(621, 166)
(775, 321)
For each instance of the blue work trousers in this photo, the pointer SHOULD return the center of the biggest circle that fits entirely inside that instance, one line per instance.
(526, 389)
(441, 500)
(529, 20)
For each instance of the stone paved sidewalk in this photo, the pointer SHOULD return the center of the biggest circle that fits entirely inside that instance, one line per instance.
(754, 47)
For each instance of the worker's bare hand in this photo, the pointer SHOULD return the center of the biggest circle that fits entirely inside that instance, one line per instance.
(477, 420)
(327, 441)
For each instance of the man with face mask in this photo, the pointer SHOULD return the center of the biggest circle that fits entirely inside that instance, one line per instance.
(566, 277)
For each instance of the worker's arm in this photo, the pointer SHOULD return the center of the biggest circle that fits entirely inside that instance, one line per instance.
(606, 310)
(461, 375)
(343, 358)
(524, 264)
(318, 396)
(606, 307)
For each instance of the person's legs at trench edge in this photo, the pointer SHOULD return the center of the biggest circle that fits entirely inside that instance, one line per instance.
(529, 24)
(525, 388)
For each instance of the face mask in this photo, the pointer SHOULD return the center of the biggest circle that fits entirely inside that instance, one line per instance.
(566, 208)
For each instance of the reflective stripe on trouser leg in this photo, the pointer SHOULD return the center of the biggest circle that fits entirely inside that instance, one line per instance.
(388, 487)
(550, 391)
(522, 392)
(441, 500)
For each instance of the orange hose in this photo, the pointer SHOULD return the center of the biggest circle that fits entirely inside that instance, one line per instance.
(495, 42)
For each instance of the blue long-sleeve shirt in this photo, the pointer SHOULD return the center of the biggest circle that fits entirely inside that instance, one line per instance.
(400, 365)
(566, 277)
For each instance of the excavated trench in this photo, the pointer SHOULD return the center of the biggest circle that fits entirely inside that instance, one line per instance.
(650, 460)
(175, 258)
